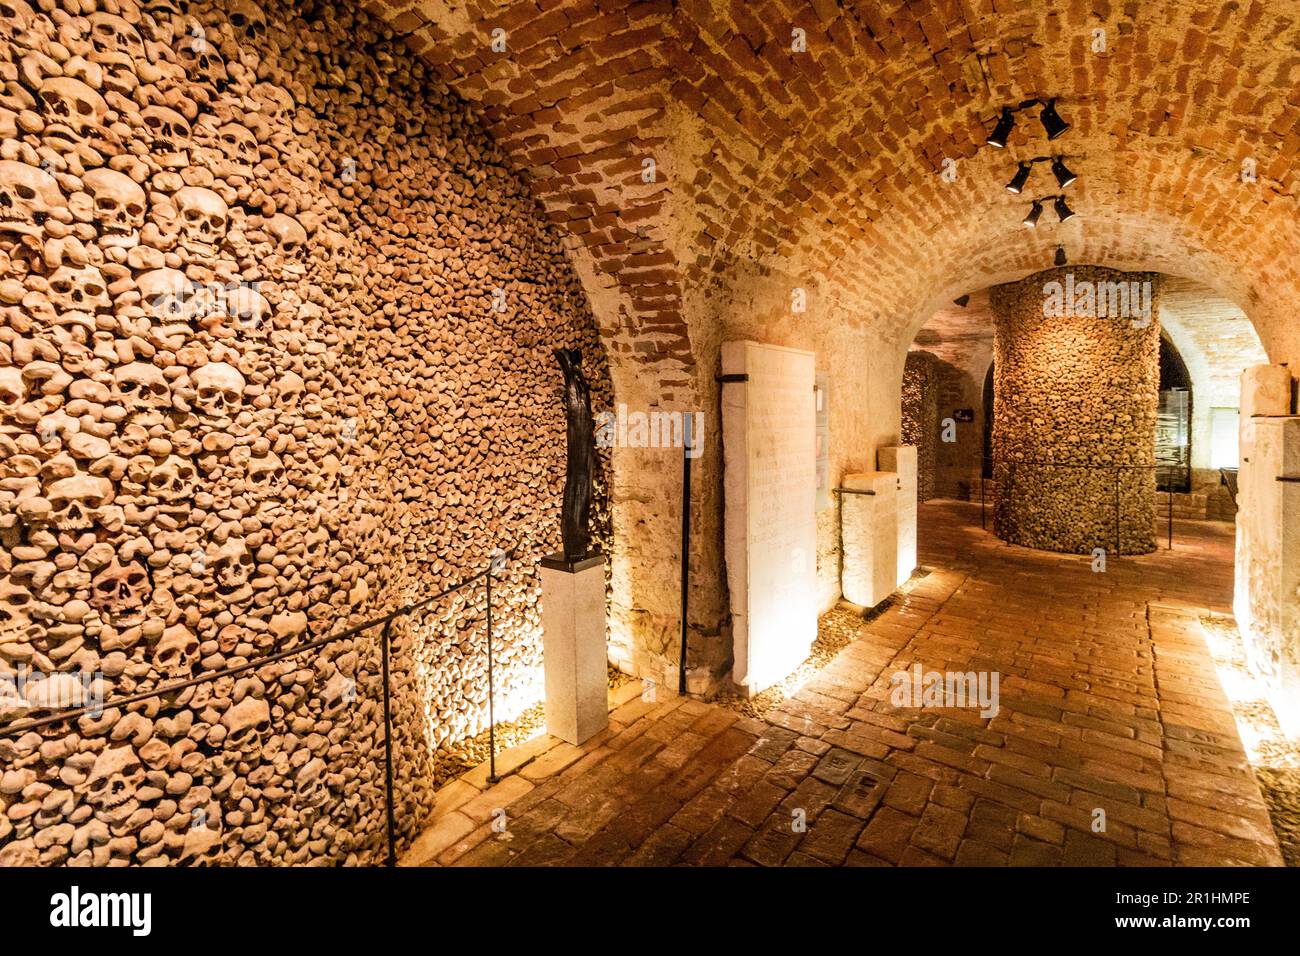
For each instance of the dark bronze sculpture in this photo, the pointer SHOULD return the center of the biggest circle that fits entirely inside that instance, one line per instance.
(582, 454)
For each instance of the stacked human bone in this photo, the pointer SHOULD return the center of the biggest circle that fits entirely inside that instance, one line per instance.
(920, 424)
(1076, 384)
(275, 357)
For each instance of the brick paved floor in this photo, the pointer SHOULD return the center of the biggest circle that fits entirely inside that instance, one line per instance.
(1109, 701)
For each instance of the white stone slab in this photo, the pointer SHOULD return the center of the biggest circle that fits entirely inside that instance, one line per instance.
(901, 459)
(573, 652)
(1266, 598)
(769, 478)
(870, 537)
(1265, 390)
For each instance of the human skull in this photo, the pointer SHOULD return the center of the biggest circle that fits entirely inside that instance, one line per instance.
(73, 110)
(17, 22)
(202, 63)
(240, 148)
(289, 388)
(15, 610)
(266, 473)
(28, 196)
(76, 500)
(247, 723)
(220, 390)
(310, 789)
(203, 219)
(119, 207)
(247, 18)
(232, 566)
(141, 387)
(112, 34)
(169, 134)
(247, 306)
(274, 102)
(171, 302)
(118, 592)
(175, 651)
(115, 47)
(172, 481)
(290, 241)
(114, 778)
(161, 17)
(79, 290)
(13, 390)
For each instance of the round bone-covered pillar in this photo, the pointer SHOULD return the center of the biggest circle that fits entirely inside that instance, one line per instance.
(1076, 387)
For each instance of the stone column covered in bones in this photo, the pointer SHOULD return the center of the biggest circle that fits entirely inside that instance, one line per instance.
(256, 383)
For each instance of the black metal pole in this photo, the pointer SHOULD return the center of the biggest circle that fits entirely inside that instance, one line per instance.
(983, 525)
(686, 543)
(1171, 517)
(1118, 550)
(492, 721)
(388, 748)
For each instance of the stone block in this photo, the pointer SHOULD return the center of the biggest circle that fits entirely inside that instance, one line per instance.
(1265, 390)
(1266, 599)
(573, 649)
(870, 536)
(770, 527)
(902, 460)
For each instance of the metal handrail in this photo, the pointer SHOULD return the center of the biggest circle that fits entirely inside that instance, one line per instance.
(22, 725)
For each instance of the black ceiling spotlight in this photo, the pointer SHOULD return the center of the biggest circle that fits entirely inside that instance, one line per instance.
(961, 300)
(1063, 212)
(1001, 132)
(1020, 178)
(1062, 172)
(1060, 255)
(1053, 125)
(1032, 219)
(1064, 176)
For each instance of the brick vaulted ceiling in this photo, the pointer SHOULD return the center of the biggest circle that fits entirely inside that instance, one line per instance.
(826, 164)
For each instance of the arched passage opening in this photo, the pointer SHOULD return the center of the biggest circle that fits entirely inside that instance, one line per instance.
(1174, 422)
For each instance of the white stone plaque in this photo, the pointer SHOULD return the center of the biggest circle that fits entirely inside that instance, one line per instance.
(901, 459)
(770, 481)
(869, 535)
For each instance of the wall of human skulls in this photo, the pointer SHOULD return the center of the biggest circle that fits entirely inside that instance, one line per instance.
(275, 357)
(1074, 416)
(920, 418)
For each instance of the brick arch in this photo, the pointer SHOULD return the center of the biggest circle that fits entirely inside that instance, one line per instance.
(578, 100)
(830, 160)
(821, 169)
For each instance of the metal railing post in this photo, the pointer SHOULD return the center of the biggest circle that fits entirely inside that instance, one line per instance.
(492, 721)
(388, 747)
(688, 447)
(1118, 548)
(1171, 517)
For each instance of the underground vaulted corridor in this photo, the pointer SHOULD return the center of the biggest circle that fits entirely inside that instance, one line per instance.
(686, 433)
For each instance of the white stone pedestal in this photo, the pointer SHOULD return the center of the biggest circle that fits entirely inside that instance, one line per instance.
(1266, 599)
(573, 647)
(901, 459)
(769, 428)
(870, 530)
